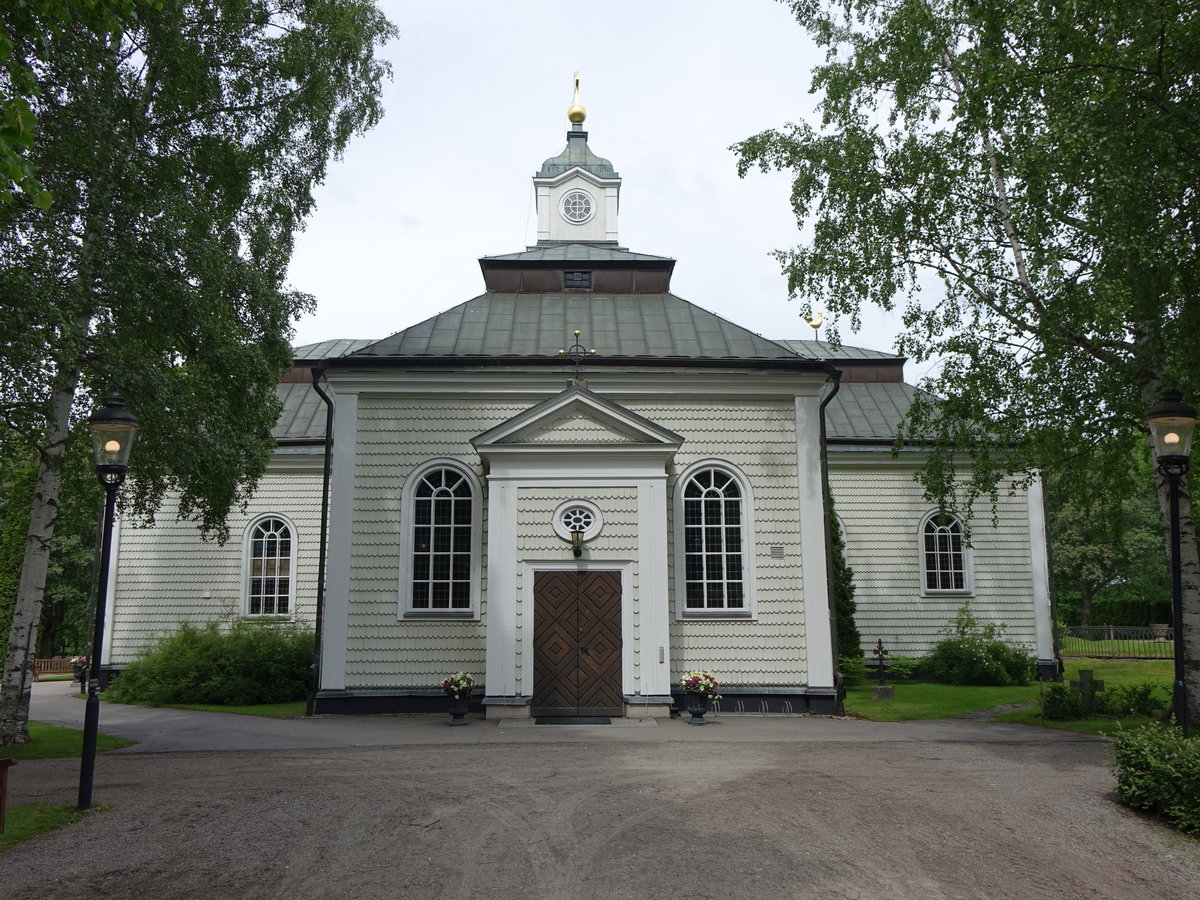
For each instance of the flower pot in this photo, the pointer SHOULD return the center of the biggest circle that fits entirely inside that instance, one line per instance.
(77, 673)
(1160, 631)
(697, 706)
(458, 710)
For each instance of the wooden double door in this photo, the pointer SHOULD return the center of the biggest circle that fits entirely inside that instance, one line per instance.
(577, 644)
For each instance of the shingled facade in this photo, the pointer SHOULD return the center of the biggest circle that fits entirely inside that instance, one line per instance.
(579, 529)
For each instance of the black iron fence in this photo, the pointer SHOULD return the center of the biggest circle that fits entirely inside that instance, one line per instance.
(1117, 641)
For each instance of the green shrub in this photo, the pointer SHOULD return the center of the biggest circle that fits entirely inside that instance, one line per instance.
(1061, 702)
(853, 669)
(1158, 771)
(1130, 700)
(901, 667)
(247, 664)
(975, 654)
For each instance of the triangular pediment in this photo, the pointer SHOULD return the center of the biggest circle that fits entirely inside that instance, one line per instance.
(577, 418)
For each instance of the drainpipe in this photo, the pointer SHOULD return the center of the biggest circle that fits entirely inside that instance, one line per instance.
(835, 378)
(314, 679)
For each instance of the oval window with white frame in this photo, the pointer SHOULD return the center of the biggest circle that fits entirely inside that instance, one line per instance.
(577, 515)
(577, 206)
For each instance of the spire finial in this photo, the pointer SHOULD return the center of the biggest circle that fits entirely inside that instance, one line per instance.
(576, 114)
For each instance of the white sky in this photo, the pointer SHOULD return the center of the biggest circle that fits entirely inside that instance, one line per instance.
(478, 100)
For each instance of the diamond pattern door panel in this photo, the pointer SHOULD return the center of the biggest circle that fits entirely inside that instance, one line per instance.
(577, 644)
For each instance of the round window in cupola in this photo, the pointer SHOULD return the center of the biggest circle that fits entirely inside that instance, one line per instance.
(577, 206)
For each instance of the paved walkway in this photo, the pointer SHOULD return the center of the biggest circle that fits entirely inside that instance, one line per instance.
(174, 730)
(210, 805)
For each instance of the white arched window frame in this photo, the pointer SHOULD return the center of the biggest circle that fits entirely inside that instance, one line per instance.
(441, 542)
(945, 558)
(714, 543)
(269, 567)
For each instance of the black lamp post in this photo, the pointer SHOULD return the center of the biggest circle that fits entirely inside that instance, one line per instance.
(1172, 423)
(113, 428)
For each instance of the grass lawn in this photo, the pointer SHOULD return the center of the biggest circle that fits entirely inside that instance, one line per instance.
(26, 820)
(267, 710)
(923, 700)
(53, 742)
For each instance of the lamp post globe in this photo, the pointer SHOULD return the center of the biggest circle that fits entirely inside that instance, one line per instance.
(113, 428)
(1172, 424)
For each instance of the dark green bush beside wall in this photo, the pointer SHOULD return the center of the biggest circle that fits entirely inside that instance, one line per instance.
(976, 654)
(1158, 771)
(247, 664)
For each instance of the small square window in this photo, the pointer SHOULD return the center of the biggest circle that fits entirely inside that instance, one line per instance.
(577, 280)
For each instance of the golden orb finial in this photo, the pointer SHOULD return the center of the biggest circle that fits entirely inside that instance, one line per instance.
(576, 114)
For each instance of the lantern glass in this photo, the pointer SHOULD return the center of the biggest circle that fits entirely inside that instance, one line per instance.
(113, 428)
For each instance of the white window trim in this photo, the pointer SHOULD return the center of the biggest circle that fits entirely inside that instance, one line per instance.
(968, 588)
(679, 560)
(405, 608)
(562, 205)
(290, 615)
(592, 531)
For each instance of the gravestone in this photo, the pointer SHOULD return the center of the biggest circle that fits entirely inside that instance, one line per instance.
(1088, 687)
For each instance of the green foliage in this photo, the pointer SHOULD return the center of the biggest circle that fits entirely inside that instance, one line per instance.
(1158, 771)
(1110, 566)
(901, 667)
(248, 663)
(1061, 702)
(849, 641)
(960, 142)
(853, 669)
(975, 654)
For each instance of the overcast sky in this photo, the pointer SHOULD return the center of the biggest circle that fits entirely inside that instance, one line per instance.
(478, 100)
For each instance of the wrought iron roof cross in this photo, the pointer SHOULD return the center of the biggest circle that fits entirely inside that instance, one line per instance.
(577, 354)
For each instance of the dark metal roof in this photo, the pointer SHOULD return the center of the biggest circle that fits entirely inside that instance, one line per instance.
(822, 350)
(868, 412)
(558, 252)
(329, 349)
(653, 326)
(303, 416)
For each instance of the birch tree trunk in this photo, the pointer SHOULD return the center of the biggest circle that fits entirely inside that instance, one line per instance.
(19, 657)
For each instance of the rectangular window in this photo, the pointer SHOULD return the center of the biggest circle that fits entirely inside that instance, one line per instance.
(577, 280)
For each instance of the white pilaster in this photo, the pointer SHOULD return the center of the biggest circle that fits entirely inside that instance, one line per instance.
(818, 637)
(653, 604)
(500, 659)
(1039, 564)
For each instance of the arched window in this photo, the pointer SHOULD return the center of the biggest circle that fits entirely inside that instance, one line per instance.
(441, 556)
(713, 506)
(944, 558)
(270, 564)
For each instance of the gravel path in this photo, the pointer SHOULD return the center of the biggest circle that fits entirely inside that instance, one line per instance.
(577, 818)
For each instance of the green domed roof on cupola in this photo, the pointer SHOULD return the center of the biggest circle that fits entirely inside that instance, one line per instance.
(577, 154)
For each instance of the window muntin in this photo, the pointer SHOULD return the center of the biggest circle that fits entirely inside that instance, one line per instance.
(577, 206)
(577, 279)
(440, 577)
(944, 556)
(714, 577)
(269, 579)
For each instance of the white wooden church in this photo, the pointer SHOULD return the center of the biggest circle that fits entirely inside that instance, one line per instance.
(578, 486)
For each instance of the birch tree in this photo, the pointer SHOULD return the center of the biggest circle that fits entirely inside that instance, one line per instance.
(181, 151)
(1020, 180)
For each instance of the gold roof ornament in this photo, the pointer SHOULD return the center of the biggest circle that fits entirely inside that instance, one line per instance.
(576, 114)
(816, 320)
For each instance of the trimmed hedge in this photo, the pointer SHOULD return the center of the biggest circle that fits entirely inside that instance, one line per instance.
(1158, 772)
(247, 664)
